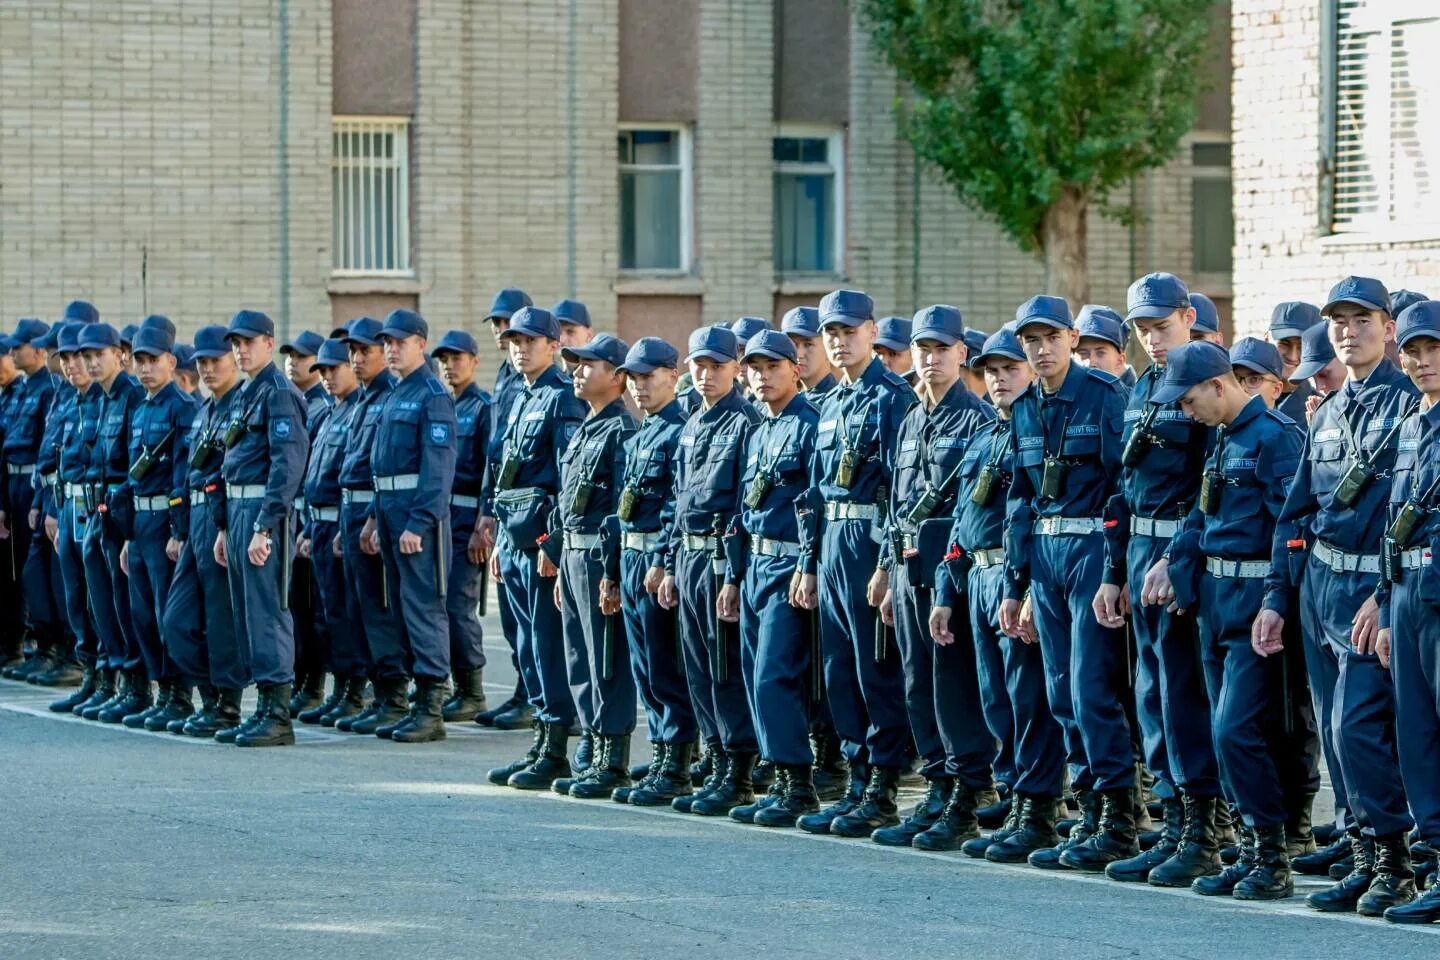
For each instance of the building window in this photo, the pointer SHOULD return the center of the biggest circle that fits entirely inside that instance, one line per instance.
(1387, 109)
(370, 196)
(808, 187)
(1212, 218)
(654, 199)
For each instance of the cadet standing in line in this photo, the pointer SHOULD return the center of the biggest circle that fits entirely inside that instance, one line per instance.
(1207, 320)
(1288, 322)
(647, 516)
(456, 353)
(592, 472)
(971, 372)
(708, 495)
(850, 475)
(1339, 501)
(12, 648)
(575, 326)
(263, 469)
(1319, 366)
(1216, 567)
(413, 459)
(1258, 368)
(541, 422)
(892, 346)
(1100, 343)
(1067, 436)
(198, 626)
(942, 683)
(817, 376)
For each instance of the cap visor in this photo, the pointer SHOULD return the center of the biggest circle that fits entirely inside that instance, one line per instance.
(766, 352)
(932, 333)
(1255, 367)
(1151, 311)
(998, 355)
(395, 333)
(800, 332)
(638, 366)
(1096, 336)
(842, 318)
(1285, 333)
(319, 365)
(1367, 304)
(1307, 370)
(1170, 392)
(149, 352)
(210, 354)
(523, 331)
(1050, 322)
(242, 332)
(500, 315)
(1417, 332)
(715, 355)
(576, 354)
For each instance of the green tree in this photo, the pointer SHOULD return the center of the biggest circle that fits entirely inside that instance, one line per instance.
(1034, 111)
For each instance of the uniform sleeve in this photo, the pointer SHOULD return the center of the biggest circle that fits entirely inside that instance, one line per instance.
(619, 456)
(179, 514)
(660, 558)
(494, 451)
(289, 446)
(1292, 526)
(431, 502)
(1019, 527)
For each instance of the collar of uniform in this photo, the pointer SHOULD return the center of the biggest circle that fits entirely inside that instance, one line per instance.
(121, 382)
(1431, 417)
(1374, 388)
(317, 391)
(471, 390)
(1070, 389)
(826, 384)
(796, 404)
(731, 401)
(418, 375)
(874, 373)
(1253, 408)
(164, 393)
(551, 377)
(954, 398)
(614, 408)
(384, 381)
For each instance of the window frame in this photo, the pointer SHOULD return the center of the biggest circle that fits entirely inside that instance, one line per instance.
(685, 145)
(834, 135)
(400, 128)
(1210, 172)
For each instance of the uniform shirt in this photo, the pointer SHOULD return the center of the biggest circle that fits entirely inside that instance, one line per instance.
(509, 384)
(25, 419)
(110, 458)
(650, 463)
(77, 437)
(416, 436)
(709, 467)
(978, 526)
(780, 447)
(473, 417)
(1367, 413)
(822, 386)
(272, 450)
(332, 439)
(1080, 424)
(355, 471)
(317, 404)
(159, 424)
(1417, 476)
(931, 444)
(865, 415)
(1292, 404)
(63, 406)
(1163, 485)
(595, 453)
(211, 419)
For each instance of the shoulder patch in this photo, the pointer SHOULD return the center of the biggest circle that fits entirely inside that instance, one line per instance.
(281, 428)
(439, 434)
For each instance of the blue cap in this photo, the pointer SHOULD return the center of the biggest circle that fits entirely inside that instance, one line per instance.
(1291, 318)
(974, 346)
(363, 330)
(772, 344)
(801, 322)
(605, 346)
(940, 322)
(159, 321)
(51, 340)
(98, 336)
(1315, 352)
(28, 330)
(250, 324)
(1099, 322)
(81, 311)
(184, 356)
(338, 333)
(533, 322)
(402, 323)
(508, 302)
(69, 337)
(1207, 318)
(1400, 299)
(573, 312)
(1362, 291)
(332, 353)
(1420, 319)
(152, 341)
(893, 332)
(1051, 311)
(716, 343)
(210, 342)
(127, 333)
(1003, 344)
(1255, 354)
(5, 344)
(746, 327)
(1156, 295)
(649, 354)
(850, 307)
(457, 341)
(306, 343)
(1189, 364)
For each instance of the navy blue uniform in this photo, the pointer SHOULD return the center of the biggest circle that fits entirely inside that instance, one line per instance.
(473, 416)
(1054, 547)
(312, 630)
(509, 384)
(379, 619)
(44, 585)
(865, 692)
(105, 534)
(263, 472)
(348, 656)
(413, 459)
(29, 398)
(604, 691)
(1292, 404)
(81, 426)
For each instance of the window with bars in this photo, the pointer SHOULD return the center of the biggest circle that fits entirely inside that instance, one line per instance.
(1387, 115)
(808, 188)
(370, 196)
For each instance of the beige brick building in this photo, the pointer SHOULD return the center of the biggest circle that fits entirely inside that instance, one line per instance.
(669, 162)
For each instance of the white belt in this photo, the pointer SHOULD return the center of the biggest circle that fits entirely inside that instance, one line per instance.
(1415, 559)
(298, 504)
(244, 491)
(19, 469)
(401, 481)
(693, 542)
(464, 502)
(1237, 569)
(581, 541)
(992, 557)
(198, 497)
(642, 542)
(1342, 562)
(325, 514)
(151, 504)
(1061, 526)
(838, 510)
(774, 548)
(74, 490)
(717, 566)
(1146, 527)
(357, 496)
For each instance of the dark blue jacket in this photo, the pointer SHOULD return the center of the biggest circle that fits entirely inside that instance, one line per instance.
(272, 450)
(416, 435)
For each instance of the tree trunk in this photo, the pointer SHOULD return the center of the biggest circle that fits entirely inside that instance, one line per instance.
(1063, 237)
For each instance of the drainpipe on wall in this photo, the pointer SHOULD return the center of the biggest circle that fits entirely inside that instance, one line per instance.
(283, 148)
(572, 150)
(914, 230)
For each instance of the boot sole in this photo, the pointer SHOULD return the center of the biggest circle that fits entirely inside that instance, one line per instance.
(1262, 895)
(1331, 907)
(432, 738)
(276, 742)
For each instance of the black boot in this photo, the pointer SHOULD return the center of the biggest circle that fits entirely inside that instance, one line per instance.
(926, 814)
(1271, 879)
(642, 775)
(579, 764)
(1048, 857)
(391, 706)
(137, 699)
(1198, 853)
(178, 707)
(774, 793)
(957, 823)
(553, 761)
(669, 777)
(517, 717)
(1394, 883)
(876, 808)
(703, 766)
(1222, 884)
(1116, 838)
(992, 806)
(763, 775)
(469, 697)
(1034, 833)
(500, 776)
(350, 705)
(609, 770)
(1299, 832)
(64, 671)
(821, 821)
(1344, 895)
(715, 760)
(830, 773)
(337, 694)
(274, 728)
(1423, 909)
(89, 683)
(387, 722)
(798, 800)
(486, 718)
(734, 789)
(104, 692)
(1318, 864)
(42, 661)
(225, 715)
(976, 846)
(136, 720)
(427, 721)
(208, 696)
(230, 734)
(309, 694)
(1137, 869)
